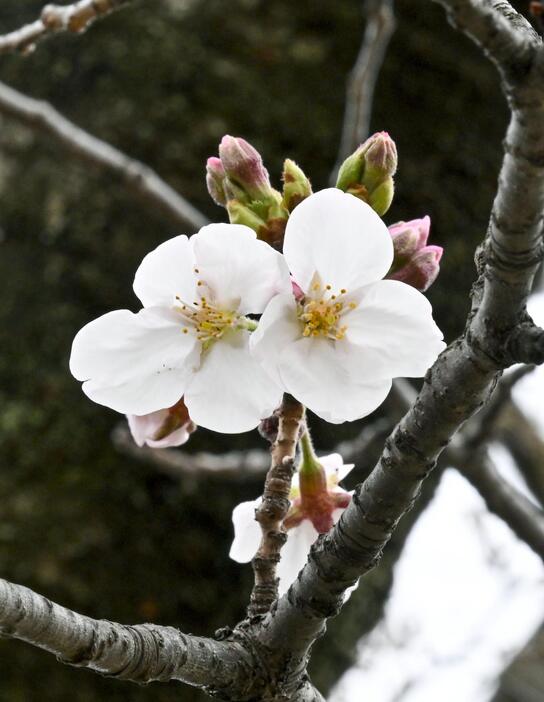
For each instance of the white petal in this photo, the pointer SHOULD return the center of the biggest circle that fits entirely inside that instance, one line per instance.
(341, 238)
(240, 271)
(166, 272)
(295, 553)
(278, 327)
(134, 363)
(247, 532)
(313, 372)
(230, 392)
(392, 333)
(335, 467)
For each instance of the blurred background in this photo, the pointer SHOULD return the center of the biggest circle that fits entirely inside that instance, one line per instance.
(81, 522)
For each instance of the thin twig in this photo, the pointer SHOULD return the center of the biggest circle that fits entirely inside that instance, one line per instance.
(201, 466)
(274, 506)
(484, 423)
(380, 24)
(517, 433)
(140, 181)
(524, 518)
(54, 19)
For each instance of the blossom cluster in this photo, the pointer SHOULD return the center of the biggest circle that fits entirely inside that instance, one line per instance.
(336, 348)
(302, 293)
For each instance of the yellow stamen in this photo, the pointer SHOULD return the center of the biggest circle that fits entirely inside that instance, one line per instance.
(321, 316)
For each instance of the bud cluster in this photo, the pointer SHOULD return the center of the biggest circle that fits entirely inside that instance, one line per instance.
(368, 172)
(239, 181)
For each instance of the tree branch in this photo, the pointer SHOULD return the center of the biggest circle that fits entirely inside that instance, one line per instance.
(460, 380)
(522, 439)
(142, 653)
(140, 181)
(274, 506)
(503, 499)
(503, 34)
(75, 18)
(380, 24)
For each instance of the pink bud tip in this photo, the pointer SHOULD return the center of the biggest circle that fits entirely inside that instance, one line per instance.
(244, 166)
(215, 180)
(409, 237)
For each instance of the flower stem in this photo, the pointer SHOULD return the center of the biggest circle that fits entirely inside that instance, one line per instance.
(275, 505)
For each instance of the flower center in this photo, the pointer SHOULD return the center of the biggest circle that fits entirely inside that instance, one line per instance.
(321, 311)
(208, 320)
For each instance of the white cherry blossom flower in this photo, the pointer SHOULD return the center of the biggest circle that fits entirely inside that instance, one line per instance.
(191, 338)
(163, 428)
(301, 532)
(338, 348)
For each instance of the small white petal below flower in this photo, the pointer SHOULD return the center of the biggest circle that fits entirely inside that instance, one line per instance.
(240, 271)
(231, 393)
(335, 468)
(134, 363)
(295, 554)
(247, 532)
(341, 238)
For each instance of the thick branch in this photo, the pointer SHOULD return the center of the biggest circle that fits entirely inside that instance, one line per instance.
(142, 183)
(504, 35)
(503, 499)
(274, 506)
(380, 24)
(461, 379)
(142, 653)
(75, 18)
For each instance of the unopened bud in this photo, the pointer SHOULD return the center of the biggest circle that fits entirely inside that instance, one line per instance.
(244, 167)
(381, 157)
(368, 172)
(296, 185)
(422, 269)
(215, 180)
(381, 197)
(409, 237)
(163, 428)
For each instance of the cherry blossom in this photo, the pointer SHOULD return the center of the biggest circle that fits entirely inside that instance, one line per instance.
(191, 338)
(338, 348)
(309, 515)
(163, 428)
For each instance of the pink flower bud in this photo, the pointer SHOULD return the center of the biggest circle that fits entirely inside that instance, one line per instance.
(164, 428)
(244, 167)
(409, 237)
(215, 179)
(422, 269)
